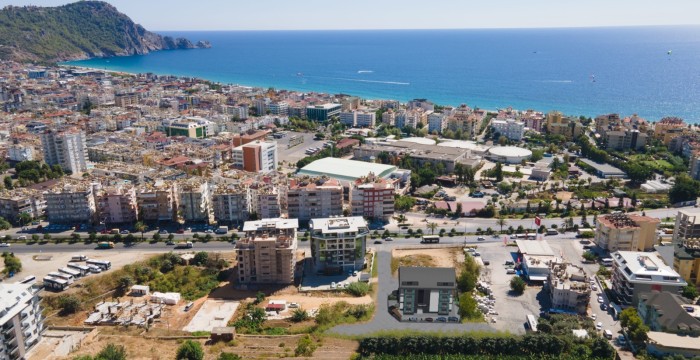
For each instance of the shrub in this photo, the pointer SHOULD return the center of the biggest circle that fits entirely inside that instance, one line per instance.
(299, 315)
(112, 352)
(305, 347)
(190, 350)
(12, 263)
(358, 289)
(69, 304)
(228, 356)
(517, 284)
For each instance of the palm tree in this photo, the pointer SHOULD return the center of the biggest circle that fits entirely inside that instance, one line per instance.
(501, 222)
(400, 218)
(432, 226)
(140, 227)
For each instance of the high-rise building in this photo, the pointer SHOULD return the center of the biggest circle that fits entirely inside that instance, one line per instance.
(65, 148)
(338, 244)
(21, 321)
(635, 273)
(510, 128)
(437, 123)
(323, 112)
(314, 198)
(266, 253)
(626, 232)
(258, 156)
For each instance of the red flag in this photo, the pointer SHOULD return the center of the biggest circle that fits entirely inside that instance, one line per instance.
(538, 221)
(505, 240)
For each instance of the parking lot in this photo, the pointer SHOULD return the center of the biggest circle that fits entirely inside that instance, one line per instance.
(291, 155)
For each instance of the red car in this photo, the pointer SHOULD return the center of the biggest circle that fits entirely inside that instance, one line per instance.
(180, 231)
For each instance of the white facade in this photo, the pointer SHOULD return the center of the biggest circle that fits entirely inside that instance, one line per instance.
(339, 243)
(231, 206)
(21, 322)
(71, 204)
(66, 149)
(19, 152)
(437, 122)
(358, 118)
(195, 201)
(511, 129)
(635, 273)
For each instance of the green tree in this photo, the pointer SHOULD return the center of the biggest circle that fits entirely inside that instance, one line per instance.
(8, 183)
(200, 258)
(589, 256)
(141, 227)
(305, 347)
(468, 307)
(467, 279)
(633, 325)
(4, 224)
(124, 284)
(112, 352)
(690, 292)
(12, 263)
(69, 304)
(501, 222)
(299, 315)
(498, 172)
(517, 285)
(358, 289)
(190, 350)
(684, 189)
(432, 226)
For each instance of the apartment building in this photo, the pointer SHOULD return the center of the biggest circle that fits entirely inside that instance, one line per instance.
(21, 321)
(195, 200)
(258, 156)
(626, 232)
(266, 253)
(157, 201)
(510, 128)
(557, 124)
(71, 203)
(231, 204)
(635, 273)
(358, 118)
(19, 201)
(191, 127)
(667, 124)
(569, 287)
(249, 137)
(625, 139)
(372, 198)
(278, 108)
(686, 244)
(265, 201)
(323, 112)
(19, 152)
(338, 244)
(389, 117)
(65, 148)
(117, 204)
(437, 123)
(663, 311)
(309, 198)
(427, 291)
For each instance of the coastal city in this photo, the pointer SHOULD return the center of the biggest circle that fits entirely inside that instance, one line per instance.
(385, 180)
(178, 212)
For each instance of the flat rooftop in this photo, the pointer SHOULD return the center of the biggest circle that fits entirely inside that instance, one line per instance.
(534, 247)
(347, 170)
(276, 223)
(338, 224)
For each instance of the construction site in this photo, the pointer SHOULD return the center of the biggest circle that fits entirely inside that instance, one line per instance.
(138, 312)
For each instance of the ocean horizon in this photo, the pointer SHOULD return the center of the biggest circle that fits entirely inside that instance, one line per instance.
(650, 71)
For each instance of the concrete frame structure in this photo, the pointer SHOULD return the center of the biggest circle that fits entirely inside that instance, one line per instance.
(195, 200)
(372, 198)
(569, 287)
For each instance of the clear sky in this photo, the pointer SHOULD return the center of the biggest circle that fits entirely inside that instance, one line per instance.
(396, 14)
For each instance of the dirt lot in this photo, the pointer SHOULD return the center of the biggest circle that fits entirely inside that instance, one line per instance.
(315, 300)
(139, 347)
(436, 257)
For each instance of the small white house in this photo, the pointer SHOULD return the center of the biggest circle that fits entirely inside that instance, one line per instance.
(140, 290)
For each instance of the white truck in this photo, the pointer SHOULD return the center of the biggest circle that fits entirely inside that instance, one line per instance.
(222, 230)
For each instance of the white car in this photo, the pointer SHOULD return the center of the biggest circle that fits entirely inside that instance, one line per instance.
(333, 285)
(600, 299)
(594, 288)
(599, 326)
(4, 245)
(594, 316)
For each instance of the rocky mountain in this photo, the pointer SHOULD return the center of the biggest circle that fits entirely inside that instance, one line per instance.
(77, 31)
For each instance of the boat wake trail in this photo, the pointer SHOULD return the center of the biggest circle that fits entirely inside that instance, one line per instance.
(364, 71)
(362, 80)
(556, 81)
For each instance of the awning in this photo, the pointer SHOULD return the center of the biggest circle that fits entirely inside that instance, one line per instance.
(537, 278)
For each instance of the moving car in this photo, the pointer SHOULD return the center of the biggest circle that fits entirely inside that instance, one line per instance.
(480, 238)
(164, 232)
(377, 242)
(4, 245)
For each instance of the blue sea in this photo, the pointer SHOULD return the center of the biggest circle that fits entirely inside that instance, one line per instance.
(649, 71)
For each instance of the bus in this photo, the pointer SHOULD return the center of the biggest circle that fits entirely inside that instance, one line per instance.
(75, 274)
(63, 276)
(430, 239)
(55, 283)
(104, 264)
(607, 261)
(531, 322)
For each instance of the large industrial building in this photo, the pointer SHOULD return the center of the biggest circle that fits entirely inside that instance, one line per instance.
(346, 170)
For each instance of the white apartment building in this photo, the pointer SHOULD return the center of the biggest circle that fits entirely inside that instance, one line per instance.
(21, 321)
(510, 128)
(231, 204)
(278, 108)
(258, 156)
(347, 118)
(389, 117)
(635, 273)
(195, 200)
(265, 202)
(19, 152)
(437, 122)
(65, 148)
(314, 198)
(338, 244)
(359, 118)
(267, 251)
(71, 204)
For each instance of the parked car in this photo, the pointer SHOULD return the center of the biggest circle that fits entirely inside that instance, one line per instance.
(169, 242)
(293, 305)
(4, 245)
(599, 326)
(603, 307)
(428, 319)
(180, 231)
(389, 239)
(453, 319)
(354, 273)
(600, 299)
(164, 232)
(124, 232)
(510, 262)
(510, 271)
(480, 238)
(441, 319)
(413, 319)
(377, 242)
(594, 316)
